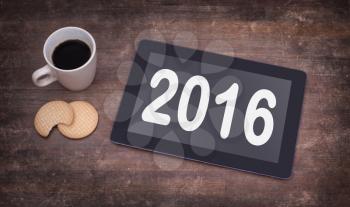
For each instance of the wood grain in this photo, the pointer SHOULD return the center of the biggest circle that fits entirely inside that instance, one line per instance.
(313, 36)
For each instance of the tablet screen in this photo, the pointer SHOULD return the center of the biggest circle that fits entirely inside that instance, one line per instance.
(211, 108)
(243, 114)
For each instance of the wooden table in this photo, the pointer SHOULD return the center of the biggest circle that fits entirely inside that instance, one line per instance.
(313, 36)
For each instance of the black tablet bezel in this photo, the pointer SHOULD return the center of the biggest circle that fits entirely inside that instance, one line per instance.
(282, 169)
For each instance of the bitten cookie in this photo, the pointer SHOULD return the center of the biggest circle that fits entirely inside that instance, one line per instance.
(51, 114)
(84, 123)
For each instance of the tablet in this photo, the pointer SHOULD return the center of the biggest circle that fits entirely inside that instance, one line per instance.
(211, 108)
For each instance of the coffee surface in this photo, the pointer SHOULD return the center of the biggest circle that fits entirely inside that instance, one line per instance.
(71, 54)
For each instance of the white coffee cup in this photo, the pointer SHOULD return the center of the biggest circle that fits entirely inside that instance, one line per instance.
(75, 79)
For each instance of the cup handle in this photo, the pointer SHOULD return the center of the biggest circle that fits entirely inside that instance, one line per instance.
(43, 76)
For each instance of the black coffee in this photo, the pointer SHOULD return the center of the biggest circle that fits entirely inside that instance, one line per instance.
(71, 54)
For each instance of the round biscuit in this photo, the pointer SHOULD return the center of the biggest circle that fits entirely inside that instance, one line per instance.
(51, 114)
(84, 123)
